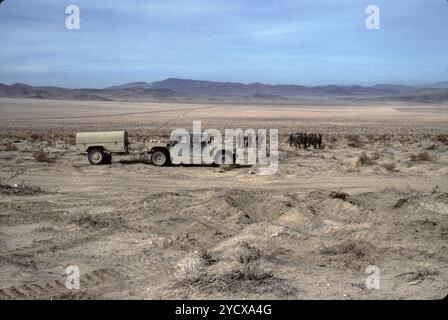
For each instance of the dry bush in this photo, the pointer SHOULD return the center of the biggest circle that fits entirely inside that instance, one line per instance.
(253, 271)
(422, 156)
(365, 159)
(422, 273)
(248, 275)
(354, 141)
(375, 155)
(85, 219)
(253, 280)
(401, 202)
(383, 138)
(332, 139)
(70, 139)
(8, 145)
(443, 138)
(338, 195)
(389, 166)
(19, 188)
(188, 270)
(207, 257)
(15, 172)
(347, 247)
(251, 263)
(248, 253)
(43, 155)
(432, 147)
(34, 137)
(371, 137)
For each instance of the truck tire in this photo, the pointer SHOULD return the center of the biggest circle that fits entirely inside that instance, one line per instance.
(96, 156)
(159, 158)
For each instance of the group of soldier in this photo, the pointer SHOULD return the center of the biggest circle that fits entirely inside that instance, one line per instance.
(306, 140)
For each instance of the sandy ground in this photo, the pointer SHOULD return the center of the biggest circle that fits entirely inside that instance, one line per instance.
(309, 232)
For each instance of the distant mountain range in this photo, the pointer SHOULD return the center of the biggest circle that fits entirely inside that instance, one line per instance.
(20, 90)
(174, 89)
(440, 85)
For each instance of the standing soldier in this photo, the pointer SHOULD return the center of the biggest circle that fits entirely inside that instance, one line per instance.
(319, 140)
(305, 140)
(311, 139)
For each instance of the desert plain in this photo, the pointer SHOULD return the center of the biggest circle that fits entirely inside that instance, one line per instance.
(376, 195)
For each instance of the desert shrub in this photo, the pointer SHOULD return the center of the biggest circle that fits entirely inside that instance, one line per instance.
(347, 247)
(443, 138)
(37, 137)
(8, 145)
(248, 253)
(338, 195)
(249, 274)
(431, 147)
(383, 138)
(19, 188)
(252, 279)
(389, 166)
(188, 270)
(401, 202)
(253, 271)
(332, 139)
(365, 159)
(354, 141)
(422, 156)
(375, 155)
(15, 172)
(421, 273)
(251, 263)
(207, 257)
(70, 139)
(370, 137)
(42, 155)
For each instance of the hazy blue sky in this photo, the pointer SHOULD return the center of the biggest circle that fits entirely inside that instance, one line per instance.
(278, 41)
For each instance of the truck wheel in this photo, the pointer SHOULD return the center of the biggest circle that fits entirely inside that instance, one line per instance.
(159, 158)
(96, 156)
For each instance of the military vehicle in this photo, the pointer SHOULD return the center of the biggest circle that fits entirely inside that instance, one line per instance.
(99, 147)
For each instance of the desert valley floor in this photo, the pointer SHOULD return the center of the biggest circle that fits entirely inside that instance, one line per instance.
(375, 195)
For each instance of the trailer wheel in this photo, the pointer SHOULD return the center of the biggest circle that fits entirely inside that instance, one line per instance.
(159, 158)
(96, 156)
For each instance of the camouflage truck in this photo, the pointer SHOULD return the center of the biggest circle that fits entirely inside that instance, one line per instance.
(99, 147)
